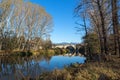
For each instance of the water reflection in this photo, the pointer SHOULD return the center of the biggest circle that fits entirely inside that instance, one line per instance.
(16, 68)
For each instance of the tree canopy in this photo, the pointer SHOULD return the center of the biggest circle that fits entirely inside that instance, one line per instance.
(23, 19)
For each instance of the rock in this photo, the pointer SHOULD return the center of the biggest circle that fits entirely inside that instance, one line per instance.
(103, 77)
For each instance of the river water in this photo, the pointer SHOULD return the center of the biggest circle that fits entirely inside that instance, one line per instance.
(14, 68)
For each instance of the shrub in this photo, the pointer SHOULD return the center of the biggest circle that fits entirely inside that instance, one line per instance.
(23, 54)
(28, 53)
(58, 51)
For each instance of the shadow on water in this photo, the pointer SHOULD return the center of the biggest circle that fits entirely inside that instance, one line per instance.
(17, 68)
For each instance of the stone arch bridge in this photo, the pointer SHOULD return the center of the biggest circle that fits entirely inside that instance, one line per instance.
(73, 48)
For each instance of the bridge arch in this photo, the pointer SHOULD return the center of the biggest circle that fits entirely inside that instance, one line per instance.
(70, 49)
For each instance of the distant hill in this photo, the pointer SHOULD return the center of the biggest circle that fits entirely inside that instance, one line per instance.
(65, 43)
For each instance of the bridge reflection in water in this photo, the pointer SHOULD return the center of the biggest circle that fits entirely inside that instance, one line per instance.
(77, 49)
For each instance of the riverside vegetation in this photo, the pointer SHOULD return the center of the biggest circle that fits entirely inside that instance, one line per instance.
(89, 71)
(25, 28)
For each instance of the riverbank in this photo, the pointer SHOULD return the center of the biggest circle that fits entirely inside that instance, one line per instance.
(109, 70)
(89, 71)
(47, 52)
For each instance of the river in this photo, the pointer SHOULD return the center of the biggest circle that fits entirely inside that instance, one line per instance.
(14, 68)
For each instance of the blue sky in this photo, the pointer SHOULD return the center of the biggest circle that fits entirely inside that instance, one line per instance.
(62, 12)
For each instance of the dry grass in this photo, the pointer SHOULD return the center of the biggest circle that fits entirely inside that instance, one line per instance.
(93, 72)
(89, 71)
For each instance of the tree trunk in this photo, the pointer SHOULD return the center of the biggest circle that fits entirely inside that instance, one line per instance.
(115, 27)
(104, 35)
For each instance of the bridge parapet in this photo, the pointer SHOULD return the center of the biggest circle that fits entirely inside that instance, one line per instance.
(64, 46)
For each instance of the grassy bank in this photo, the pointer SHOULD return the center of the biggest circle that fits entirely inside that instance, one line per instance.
(89, 71)
(46, 52)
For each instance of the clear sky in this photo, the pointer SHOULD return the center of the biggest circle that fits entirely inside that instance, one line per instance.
(62, 12)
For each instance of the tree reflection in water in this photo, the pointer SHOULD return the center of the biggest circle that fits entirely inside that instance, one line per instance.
(16, 68)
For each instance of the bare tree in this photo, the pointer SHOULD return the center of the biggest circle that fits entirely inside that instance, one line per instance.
(25, 20)
(115, 26)
(98, 16)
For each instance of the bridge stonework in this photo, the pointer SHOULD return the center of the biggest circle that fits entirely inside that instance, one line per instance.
(65, 46)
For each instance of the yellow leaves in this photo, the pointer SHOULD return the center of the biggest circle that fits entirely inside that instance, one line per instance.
(5, 3)
(25, 19)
